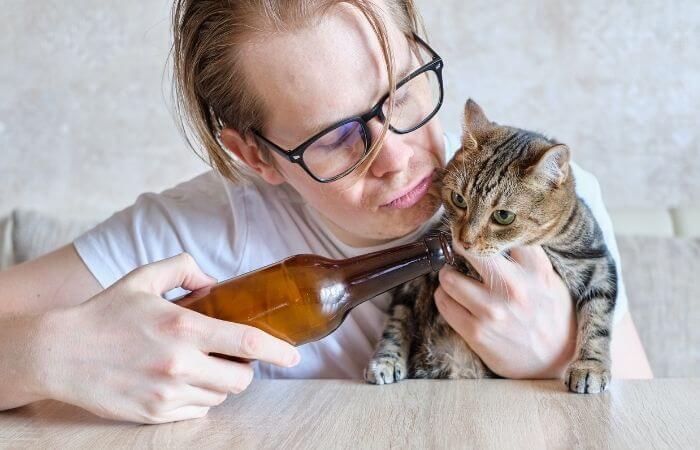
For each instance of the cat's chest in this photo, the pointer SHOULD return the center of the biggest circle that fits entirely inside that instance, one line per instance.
(572, 272)
(459, 359)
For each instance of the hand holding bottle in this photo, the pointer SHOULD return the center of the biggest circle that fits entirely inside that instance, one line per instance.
(129, 354)
(304, 298)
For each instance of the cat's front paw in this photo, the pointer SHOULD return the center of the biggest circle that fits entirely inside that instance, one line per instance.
(586, 376)
(385, 370)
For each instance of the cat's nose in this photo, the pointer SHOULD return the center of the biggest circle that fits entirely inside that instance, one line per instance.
(467, 245)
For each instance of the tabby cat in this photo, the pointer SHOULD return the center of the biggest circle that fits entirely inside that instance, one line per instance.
(505, 187)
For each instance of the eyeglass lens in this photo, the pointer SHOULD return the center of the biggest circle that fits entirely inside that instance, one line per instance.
(343, 147)
(336, 151)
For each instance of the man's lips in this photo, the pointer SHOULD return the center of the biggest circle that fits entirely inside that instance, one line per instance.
(411, 196)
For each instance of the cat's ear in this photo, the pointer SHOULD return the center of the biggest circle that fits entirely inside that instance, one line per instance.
(551, 165)
(477, 126)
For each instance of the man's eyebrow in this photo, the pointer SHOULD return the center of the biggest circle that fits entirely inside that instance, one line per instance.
(412, 61)
(403, 73)
(408, 68)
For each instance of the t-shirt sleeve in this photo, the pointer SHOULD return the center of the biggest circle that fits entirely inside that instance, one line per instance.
(194, 217)
(588, 188)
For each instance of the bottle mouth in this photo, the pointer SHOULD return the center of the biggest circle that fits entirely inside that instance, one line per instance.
(446, 244)
(440, 251)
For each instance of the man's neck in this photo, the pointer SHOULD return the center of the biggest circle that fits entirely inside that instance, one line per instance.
(349, 238)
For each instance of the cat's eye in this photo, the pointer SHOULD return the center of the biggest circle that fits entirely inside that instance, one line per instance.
(458, 200)
(503, 217)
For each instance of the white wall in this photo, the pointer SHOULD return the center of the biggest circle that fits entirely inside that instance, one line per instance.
(83, 122)
(619, 81)
(84, 126)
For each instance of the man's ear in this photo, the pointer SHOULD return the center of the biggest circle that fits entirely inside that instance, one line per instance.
(248, 151)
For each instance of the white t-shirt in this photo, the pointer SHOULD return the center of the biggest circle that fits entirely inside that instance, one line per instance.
(231, 229)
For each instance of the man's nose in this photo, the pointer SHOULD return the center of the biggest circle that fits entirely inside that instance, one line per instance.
(394, 154)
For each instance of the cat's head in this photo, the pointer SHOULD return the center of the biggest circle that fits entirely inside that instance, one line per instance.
(505, 187)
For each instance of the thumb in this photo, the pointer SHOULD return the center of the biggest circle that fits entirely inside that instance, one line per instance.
(493, 269)
(531, 257)
(170, 273)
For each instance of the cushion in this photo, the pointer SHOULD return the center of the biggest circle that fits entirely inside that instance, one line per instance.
(686, 221)
(35, 234)
(642, 222)
(6, 257)
(660, 275)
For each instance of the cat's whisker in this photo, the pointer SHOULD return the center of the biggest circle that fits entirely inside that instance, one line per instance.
(518, 267)
(502, 281)
(491, 267)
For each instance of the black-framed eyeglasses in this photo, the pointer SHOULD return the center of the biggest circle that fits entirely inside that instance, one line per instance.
(340, 148)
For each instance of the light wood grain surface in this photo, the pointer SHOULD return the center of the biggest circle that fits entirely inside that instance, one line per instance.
(662, 413)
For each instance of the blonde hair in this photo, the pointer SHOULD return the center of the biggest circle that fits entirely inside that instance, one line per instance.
(209, 86)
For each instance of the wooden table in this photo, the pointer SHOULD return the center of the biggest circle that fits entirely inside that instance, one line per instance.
(661, 413)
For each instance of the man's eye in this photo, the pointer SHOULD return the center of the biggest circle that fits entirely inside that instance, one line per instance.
(339, 138)
(400, 101)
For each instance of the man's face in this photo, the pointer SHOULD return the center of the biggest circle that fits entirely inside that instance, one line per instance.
(326, 72)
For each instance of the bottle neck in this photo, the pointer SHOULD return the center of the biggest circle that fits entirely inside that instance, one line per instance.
(369, 275)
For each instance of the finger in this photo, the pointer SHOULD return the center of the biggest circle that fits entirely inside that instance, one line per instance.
(496, 271)
(459, 318)
(237, 359)
(183, 413)
(190, 395)
(530, 257)
(246, 342)
(170, 273)
(469, 293)
(217, 374)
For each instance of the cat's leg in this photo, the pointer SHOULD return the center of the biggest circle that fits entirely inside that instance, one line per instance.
(442, 353)
(438, 351)
(390, 360)
(589, 373)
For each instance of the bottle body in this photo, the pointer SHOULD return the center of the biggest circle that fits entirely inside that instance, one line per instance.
(306, 297)
(298, 300)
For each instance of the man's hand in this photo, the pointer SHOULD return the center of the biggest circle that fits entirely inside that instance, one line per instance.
(520, 320)
(129, 354)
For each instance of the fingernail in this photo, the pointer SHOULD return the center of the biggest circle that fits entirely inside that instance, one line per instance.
(438, 302)
(446, 276)
(293, 360)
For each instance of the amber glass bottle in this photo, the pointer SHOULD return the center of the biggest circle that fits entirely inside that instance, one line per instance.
(306, 297)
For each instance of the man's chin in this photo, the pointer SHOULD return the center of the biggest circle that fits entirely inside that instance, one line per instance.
(387, 224)
(404, 221)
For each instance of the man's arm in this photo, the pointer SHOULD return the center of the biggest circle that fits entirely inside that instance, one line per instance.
(55, 280)
(27, 291)
(125, 353)
(627, 352)
(629, 361)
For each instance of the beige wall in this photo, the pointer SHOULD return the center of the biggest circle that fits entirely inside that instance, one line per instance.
(83, 123)
(84, 126)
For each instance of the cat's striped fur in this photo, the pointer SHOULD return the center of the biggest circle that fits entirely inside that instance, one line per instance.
(520, 171)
